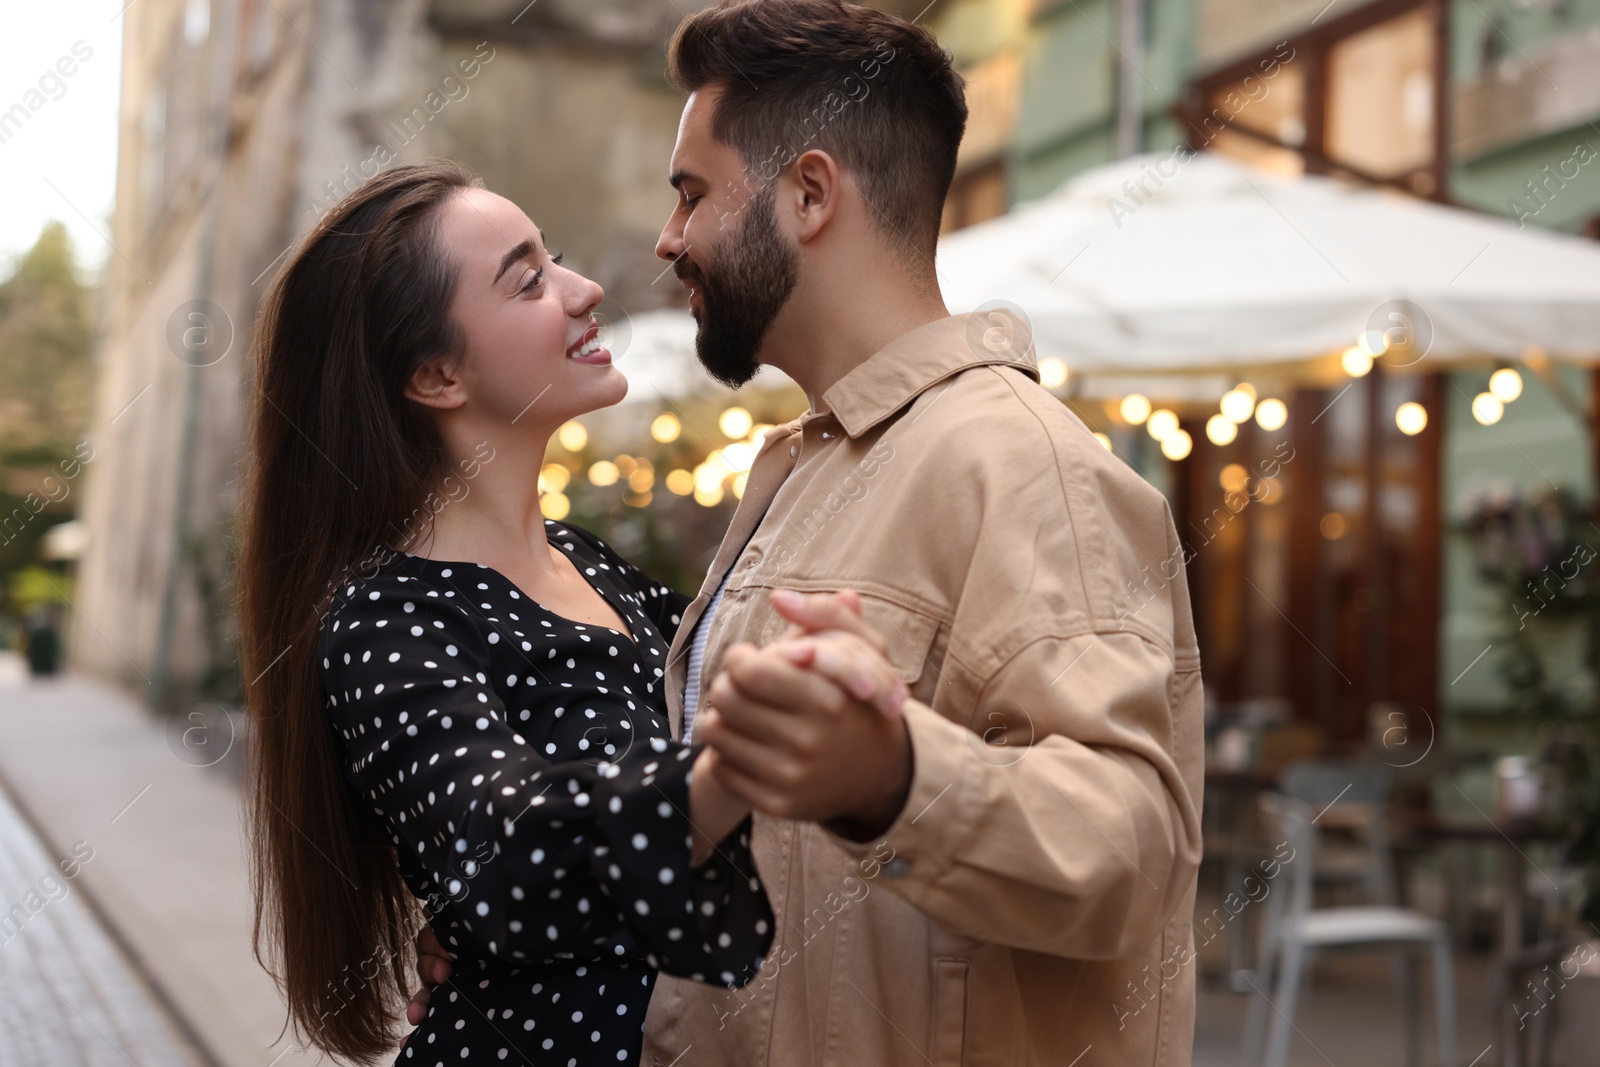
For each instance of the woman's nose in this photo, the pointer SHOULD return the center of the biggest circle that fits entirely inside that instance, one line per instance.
(587, 295)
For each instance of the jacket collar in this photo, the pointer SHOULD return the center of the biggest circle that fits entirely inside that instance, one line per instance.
(897, 373)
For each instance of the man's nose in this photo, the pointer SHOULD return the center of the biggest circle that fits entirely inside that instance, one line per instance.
(669, 246)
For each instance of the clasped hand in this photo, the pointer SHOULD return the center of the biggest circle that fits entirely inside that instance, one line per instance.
(810, 727)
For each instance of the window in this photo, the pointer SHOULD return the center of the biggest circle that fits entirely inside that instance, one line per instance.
(1357, 96)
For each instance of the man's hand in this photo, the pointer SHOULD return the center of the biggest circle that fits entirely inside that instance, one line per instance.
(832, 664)
(856, 666)
(433, 967)
(792, 743)
(812, 613)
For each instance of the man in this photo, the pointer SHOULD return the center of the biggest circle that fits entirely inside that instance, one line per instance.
(1004, 873)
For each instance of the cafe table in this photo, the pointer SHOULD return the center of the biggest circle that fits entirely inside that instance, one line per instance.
(1511, 840)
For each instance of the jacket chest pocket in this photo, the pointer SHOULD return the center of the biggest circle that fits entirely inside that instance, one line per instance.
(949, 1023)
(912, 639)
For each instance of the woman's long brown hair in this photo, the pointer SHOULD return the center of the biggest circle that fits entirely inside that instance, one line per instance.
(337, 461)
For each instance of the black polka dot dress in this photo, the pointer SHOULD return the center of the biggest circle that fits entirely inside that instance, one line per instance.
(523, 765)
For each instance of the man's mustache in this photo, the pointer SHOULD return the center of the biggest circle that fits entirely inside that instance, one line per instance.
(688, 272)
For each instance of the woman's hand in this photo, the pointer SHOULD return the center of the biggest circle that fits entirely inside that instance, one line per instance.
(850, 663)
(845, 649)
(433, 967)
(713, 810)
(792, 742)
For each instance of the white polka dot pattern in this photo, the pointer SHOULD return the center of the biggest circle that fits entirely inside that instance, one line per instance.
(522, 765)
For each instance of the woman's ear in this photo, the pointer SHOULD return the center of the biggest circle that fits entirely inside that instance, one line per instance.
(437, 384)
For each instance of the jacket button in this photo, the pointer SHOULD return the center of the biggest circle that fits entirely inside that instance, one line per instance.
(794, 450)
(897, 868)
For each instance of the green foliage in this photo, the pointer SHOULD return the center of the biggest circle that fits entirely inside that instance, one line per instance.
(46, 347)
(46, 340)
(1534, 553)
(33, 586)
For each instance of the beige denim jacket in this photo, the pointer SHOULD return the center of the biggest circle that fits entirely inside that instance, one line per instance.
(1032, 903)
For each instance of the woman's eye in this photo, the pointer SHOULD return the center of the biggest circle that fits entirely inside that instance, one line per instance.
(533, 280)
(558, 257)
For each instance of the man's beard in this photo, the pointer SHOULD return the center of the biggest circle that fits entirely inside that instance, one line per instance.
(755, 272)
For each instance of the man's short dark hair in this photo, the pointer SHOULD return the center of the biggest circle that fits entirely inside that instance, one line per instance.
(871, 89)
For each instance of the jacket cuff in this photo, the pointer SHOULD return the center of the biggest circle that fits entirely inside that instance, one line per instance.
(939, 812)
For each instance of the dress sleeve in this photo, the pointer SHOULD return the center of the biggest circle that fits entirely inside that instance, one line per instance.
(663, 604)
(534, 859)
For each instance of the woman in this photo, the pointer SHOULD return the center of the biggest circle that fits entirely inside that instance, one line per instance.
(456, 701)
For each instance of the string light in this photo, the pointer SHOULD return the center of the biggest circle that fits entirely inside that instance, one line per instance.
(1238, 404)
(1357, 361)
(1411, 418)
(1162, 424)
(572, 436)
(735, 423)
(1135, 409)
(1505, 385)
(680, 482)
(666, 427)
(1052, 373)
(739, 455)
(1105, 442)
(554, 477)
(1234, 478)
(555, 506)
(1176, 445)
(1487, 409)
(1221, 429)
(708, 476)
(1271, 414)
(603, 473)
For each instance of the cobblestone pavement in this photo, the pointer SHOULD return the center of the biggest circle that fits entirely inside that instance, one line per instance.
(81, 759)
(67, 995)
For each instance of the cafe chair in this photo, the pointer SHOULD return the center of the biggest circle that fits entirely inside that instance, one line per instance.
(1295, 933)
(1355, 796)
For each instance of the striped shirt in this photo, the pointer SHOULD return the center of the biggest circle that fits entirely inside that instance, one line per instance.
(697, 658)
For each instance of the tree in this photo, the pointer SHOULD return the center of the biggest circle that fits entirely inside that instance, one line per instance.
(46, 350)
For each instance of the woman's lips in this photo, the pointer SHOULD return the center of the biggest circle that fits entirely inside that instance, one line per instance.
(598, 357)
(588, 348)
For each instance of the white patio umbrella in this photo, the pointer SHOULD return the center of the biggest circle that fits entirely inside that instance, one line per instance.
(1175, 263)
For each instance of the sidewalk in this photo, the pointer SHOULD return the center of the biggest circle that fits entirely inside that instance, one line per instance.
(85, 763)
(71, 999)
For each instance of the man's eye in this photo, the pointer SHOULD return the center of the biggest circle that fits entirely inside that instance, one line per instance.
(690, 201)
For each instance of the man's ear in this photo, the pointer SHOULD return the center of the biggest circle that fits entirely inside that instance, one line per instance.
(818, 184)
(437, 384)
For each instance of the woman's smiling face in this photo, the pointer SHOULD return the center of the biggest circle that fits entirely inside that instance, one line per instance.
(529, 339)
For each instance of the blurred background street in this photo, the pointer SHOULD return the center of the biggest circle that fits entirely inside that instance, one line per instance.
(1325, 272)
(71, 997)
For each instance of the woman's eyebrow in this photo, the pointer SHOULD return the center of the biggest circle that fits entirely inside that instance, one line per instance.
(521, 251)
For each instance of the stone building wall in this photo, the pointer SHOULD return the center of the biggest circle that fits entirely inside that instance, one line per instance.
(242, 120)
